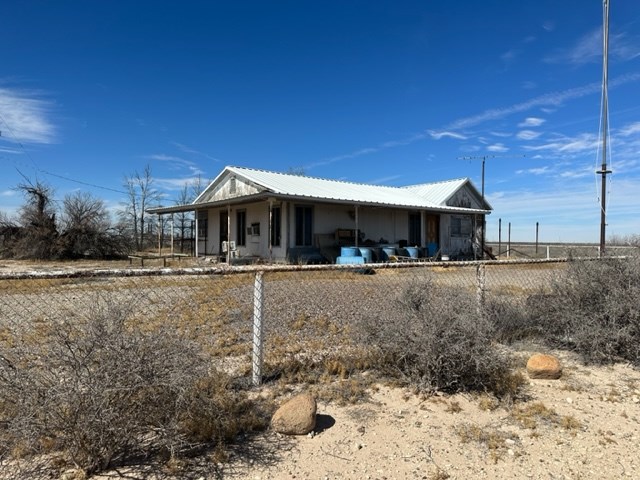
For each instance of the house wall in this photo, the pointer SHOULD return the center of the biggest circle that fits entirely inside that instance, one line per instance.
(380, 225)
(255, 245)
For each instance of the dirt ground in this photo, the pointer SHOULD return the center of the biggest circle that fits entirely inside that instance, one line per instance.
(583, 426)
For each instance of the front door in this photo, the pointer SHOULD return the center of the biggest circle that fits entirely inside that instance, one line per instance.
(433, 233)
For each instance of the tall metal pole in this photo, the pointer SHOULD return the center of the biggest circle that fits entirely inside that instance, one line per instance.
(499, 237)
(605, 124)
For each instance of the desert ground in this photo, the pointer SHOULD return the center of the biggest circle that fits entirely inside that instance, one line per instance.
(583, 426)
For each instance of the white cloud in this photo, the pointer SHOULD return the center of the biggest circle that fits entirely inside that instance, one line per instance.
(528, 135)
(529, 85)
(582, 143)
(532, 122)
(186, 149)
(176, 162)
(510, 55)
(497, 148)
(549, 25)
(501, 134)
(630, 129)
(588, 49)
(552, 99)
(438, 135)
(535, 171)
(25, 117)
(176, 183)
(8, 193)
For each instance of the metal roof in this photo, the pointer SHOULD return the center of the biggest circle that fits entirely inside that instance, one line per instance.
(430, 196)
(440, 192)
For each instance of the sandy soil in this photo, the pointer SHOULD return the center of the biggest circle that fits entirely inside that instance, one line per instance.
(583, 426)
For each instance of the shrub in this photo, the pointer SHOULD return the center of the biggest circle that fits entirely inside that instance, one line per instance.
(100, 391)
(594, 310)
(437, 341)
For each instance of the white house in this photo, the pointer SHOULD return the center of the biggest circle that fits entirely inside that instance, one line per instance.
(279, 216)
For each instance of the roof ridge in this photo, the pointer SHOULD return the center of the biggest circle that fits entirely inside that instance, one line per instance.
(314, 177)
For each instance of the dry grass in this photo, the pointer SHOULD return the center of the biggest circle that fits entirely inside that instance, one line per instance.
(491, 438)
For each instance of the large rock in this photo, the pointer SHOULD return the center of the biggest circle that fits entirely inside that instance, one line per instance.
(296, 416)
(544, 366)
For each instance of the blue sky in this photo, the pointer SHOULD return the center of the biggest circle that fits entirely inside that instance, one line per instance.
(377, 92)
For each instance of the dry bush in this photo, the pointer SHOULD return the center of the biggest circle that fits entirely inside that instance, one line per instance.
(100, 391)
(437, 341)
(510, 321)
(594, 310)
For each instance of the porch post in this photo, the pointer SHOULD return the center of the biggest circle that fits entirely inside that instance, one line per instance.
(195, 249)
(228, 234)
(269, 230)
(172, 234)
(357, 227)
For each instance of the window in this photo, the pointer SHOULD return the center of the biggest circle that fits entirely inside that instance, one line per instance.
(276, 223)
(232, 185)
(304, 226)
(241, 227)
(415, 230)
(460, 227)
(203, 224)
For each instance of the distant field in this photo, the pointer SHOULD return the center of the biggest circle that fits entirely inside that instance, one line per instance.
(555, 250)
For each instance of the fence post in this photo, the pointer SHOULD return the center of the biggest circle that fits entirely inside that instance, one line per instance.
(480, 289)
(258, 329)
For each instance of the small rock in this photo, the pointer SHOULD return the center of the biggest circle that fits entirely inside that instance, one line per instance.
(296, 417)
(544, 366)
(569, 400)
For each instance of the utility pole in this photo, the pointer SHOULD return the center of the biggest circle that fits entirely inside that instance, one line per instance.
(484, 158)
(604, 124)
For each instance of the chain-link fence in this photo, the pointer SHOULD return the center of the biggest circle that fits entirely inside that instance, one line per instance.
(248, 318)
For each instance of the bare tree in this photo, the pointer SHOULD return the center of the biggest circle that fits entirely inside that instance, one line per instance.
(37, 217)
(141, 194)
(87, 228)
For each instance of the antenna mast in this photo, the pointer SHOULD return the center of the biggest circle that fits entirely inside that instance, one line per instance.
(605, 124)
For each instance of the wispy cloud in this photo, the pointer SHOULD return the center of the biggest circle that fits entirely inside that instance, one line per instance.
(578, 172)
(630, 129)
(368, 150)
(548, 103)
(528, 135)
(24, 117)
(186, 149)
(553, 99)
(11, 150)
(446, 134)
(510, 55)
(535, 171)
(549, 25)
(532, 122)
(588, 49)
(176, 163)
(497, 148)
(501, 134)
(562, 144)
(176, 184)
(8, 193)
